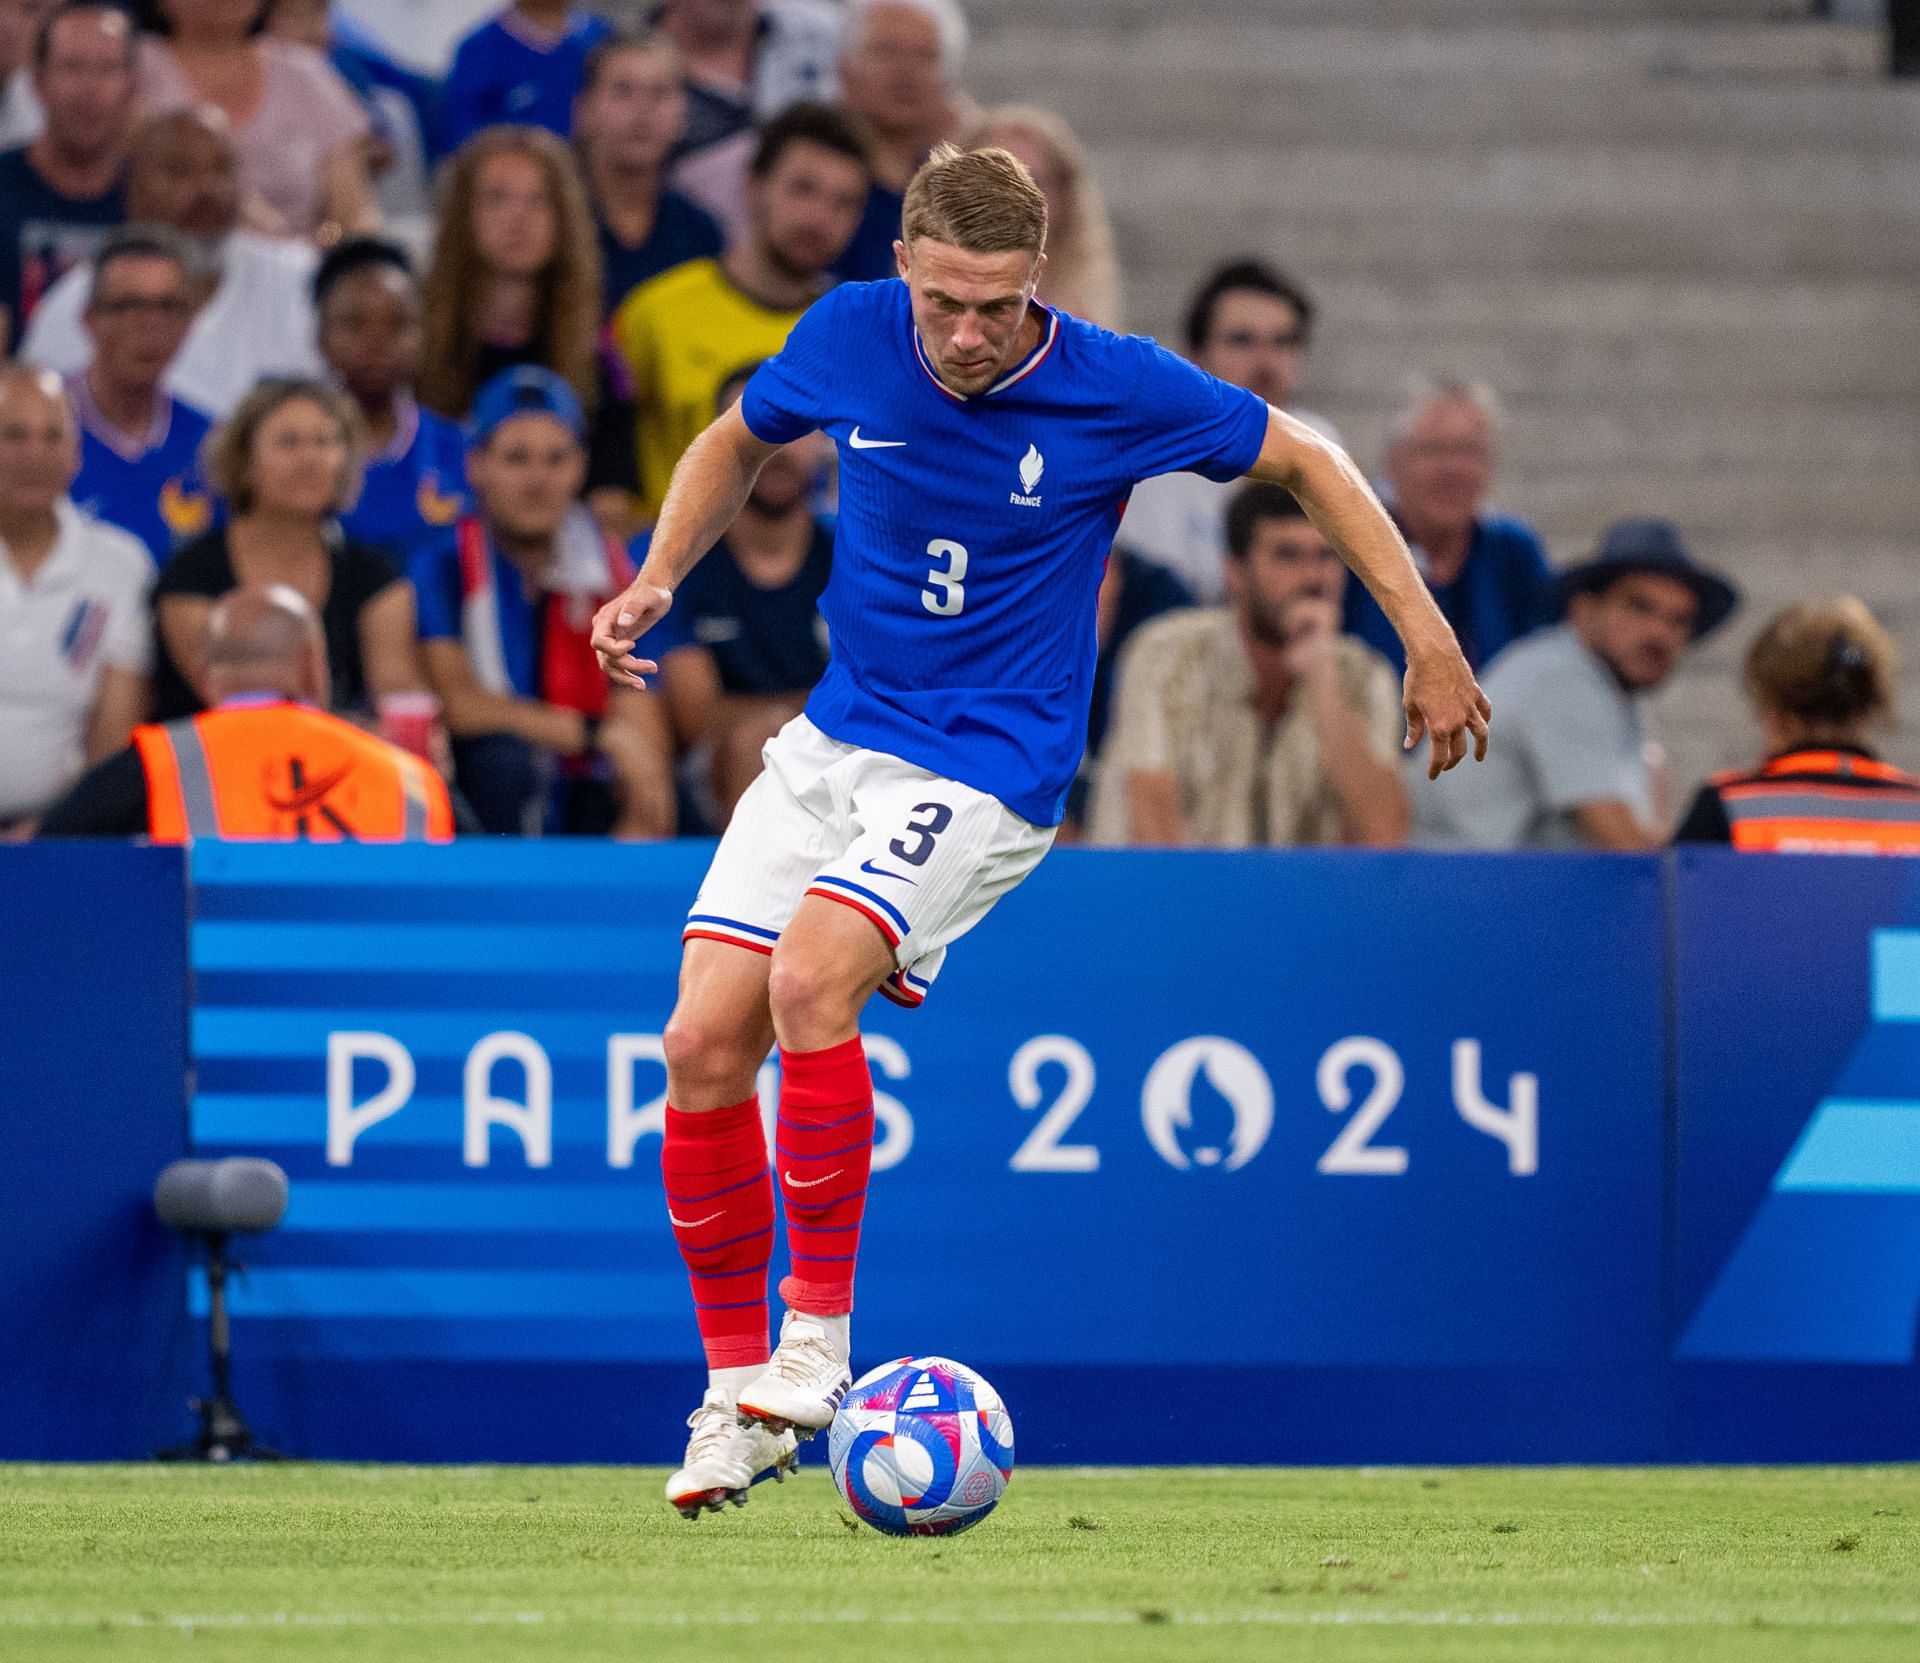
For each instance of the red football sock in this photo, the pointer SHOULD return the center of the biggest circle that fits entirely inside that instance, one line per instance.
(720, 1204)
(823, 1150)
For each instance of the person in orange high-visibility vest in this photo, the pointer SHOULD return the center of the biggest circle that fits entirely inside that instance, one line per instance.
(1818, 676)
(263, 763)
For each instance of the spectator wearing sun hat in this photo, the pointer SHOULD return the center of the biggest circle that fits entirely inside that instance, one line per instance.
(1571, 766)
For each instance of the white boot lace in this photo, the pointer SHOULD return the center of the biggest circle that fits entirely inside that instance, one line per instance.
(805, 1356)
(714, 1426)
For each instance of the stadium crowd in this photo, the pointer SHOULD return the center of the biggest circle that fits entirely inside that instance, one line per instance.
(311, 351)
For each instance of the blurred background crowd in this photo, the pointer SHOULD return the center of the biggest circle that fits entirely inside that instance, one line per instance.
(287, 314)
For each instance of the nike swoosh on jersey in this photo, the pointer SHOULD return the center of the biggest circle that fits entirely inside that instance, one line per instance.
(859, 443)
(810, 1184)
(690, 1223)
(882, 872)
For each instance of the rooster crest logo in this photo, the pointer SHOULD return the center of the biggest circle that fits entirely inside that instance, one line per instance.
(1032, 466)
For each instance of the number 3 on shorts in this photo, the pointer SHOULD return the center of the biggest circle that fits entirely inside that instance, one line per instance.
(933, 819)
(951, 593)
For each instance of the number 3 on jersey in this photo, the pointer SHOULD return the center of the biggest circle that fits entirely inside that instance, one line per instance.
(945, 594)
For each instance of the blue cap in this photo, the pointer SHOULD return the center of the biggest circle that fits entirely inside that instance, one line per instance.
(524, 390)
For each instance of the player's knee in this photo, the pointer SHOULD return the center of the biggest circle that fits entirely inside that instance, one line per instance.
(810, 998)
(707, 1059)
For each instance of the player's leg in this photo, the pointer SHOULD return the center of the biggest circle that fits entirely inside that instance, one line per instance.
(931, 859)
(720, 1205)
(714, 1155)
(826, 966)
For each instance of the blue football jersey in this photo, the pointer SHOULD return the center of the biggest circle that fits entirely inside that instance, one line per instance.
(151, 487)
(509, 71)
(414, 488)
(973, 531)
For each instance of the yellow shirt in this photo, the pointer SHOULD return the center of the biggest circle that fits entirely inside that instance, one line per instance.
(683, 334)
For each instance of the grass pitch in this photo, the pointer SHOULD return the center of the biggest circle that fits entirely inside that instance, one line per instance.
(582, 1564)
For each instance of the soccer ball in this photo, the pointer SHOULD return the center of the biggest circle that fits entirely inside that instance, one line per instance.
(921, 1447)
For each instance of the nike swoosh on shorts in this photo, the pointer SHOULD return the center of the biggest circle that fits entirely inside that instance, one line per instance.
(882, 872)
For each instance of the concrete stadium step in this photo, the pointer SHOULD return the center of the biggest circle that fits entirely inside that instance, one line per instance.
(1768, 499)
(1367, 232)
(989, 16)
(1371, 87)
(1496, 183)
(1352, 48)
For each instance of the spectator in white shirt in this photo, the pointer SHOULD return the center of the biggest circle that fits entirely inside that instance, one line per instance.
(255, 307)
(22, 119)
(75, 639)
(1248, 324)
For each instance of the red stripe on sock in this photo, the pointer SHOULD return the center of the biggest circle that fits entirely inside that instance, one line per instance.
(824, 1155)
(720, 1204)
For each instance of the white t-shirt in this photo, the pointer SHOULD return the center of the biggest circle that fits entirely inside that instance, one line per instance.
(85, 608)
(22, 119)
(1569, 734)
(258, 322)
(1179, 521)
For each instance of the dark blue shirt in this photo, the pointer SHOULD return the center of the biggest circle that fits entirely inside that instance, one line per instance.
(151, 487)
(44, 234)
(504, 73)
(869, 257)
(1147, 589)
(763, 641)
(682, 231)
(414, 488)
(1501, 594)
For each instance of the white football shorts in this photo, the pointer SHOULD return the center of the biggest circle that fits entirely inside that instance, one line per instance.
(921, 856)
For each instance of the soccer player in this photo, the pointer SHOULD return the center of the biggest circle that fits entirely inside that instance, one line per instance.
(987, 445)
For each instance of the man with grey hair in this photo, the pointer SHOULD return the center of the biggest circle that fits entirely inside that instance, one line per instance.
(253, 312)
(899, 64)
(73, 609)
(1487, 571)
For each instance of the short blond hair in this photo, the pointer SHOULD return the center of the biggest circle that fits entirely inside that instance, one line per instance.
(226, 455)
(983, 201)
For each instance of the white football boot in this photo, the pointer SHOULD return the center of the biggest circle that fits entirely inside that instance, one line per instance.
(805, 1380)
(726, 1457)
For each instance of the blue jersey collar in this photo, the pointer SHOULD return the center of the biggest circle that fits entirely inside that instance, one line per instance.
(1048, 335)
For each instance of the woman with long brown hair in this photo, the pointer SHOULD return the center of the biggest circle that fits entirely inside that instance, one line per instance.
(515, 275)
(1820, 675)
(1082, 275)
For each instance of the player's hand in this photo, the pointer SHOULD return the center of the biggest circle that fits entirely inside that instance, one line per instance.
(619, 624)
(1444, 704)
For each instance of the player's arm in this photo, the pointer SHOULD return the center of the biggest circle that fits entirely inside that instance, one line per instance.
(708, 489)
(1442, 699)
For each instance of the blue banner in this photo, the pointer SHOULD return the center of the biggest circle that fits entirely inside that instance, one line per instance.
(1428, 1158)
(1797, 1268)
(94, 1342)
(1226, 1113)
